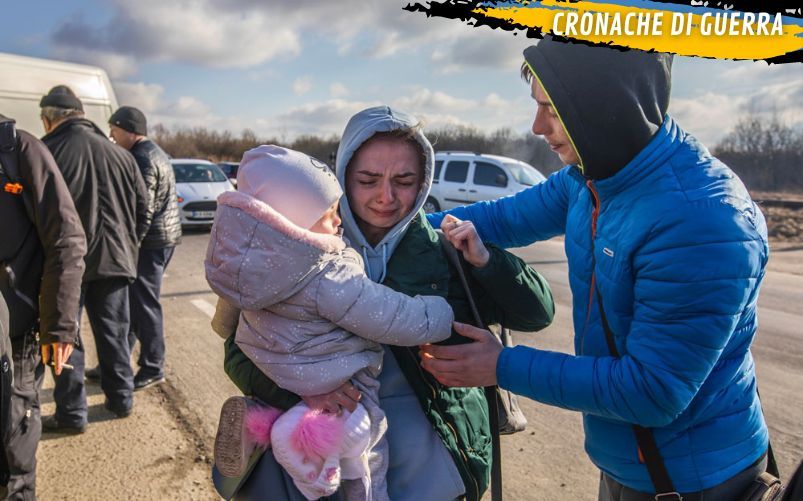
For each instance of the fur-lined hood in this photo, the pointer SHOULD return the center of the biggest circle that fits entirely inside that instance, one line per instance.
(257, 257)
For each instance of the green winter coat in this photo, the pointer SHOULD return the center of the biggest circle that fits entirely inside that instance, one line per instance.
(507, 292)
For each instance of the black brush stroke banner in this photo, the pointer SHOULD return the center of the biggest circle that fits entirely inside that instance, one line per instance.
(790, 8)
(464, 11)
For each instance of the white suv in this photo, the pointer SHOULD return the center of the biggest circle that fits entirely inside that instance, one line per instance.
(463, 178)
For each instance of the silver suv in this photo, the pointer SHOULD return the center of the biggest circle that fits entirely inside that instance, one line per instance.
(463, 178)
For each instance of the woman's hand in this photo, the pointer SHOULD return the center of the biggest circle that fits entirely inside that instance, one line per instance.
(345, 397)
(463, 235)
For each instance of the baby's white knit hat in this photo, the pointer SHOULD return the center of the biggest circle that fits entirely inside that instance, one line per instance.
(298, 186)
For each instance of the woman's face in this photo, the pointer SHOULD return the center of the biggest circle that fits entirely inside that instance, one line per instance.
(382, 184)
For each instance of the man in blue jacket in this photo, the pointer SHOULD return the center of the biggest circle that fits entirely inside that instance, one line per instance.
(665, 240)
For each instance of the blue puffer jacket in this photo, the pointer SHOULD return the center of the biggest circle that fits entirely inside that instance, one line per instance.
(678, 257)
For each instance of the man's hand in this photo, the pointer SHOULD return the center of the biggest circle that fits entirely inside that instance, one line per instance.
(345, 397)
(61, 353)
(463, 235)
(464, 365)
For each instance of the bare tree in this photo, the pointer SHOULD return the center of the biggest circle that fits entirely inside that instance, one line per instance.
(765, 152)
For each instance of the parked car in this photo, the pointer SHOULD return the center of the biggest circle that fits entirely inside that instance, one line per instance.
(463, 178)
(230, 169)
(198, 184)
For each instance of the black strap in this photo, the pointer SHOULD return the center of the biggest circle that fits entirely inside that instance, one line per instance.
(644, 436)
(490, 391)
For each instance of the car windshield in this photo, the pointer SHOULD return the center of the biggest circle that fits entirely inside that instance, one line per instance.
(198, 173)
(524, 174)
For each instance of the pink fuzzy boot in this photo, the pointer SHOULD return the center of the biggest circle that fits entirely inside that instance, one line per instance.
(310, 446)
(244, 427)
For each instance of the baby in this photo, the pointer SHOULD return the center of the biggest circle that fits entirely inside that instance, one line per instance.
(311, 321)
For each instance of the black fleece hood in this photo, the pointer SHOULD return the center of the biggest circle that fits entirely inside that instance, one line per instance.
(611, 102)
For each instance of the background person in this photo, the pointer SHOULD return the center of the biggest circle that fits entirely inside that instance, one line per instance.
(667, 237)
(41, 264)
(129, 129)
(439, 437)
(112, 202)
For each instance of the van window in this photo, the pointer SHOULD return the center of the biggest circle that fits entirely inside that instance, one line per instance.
(486, 174)
(525, 174)
(456, 172)
(438, 165)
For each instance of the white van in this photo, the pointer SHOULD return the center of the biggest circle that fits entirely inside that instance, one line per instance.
(24, 80)
(463, 177)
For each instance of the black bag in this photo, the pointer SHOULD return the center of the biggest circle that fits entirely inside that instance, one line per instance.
(511, 419)
(767, 487)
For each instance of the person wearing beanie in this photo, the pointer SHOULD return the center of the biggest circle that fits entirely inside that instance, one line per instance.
(666, 253)
(129, 130)
(312, 321)
(112, 201)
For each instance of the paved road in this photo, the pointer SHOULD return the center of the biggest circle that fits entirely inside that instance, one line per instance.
(545, 462)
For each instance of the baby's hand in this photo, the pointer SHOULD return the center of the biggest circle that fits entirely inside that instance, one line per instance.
(463, 235)
(346, 396)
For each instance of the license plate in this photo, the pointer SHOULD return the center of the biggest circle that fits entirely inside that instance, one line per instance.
(203, 214)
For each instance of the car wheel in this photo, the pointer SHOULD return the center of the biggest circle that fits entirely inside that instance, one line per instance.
(431, 205)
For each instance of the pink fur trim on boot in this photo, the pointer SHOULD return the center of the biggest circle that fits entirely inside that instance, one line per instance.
(258, 423)
(318, 433)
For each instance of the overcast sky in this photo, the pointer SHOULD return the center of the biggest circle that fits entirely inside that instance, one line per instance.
(284, 68)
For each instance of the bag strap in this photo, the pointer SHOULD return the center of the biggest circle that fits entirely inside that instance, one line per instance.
(490, 391)
(644, 436)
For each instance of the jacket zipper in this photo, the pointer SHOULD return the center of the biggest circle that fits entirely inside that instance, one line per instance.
(448, 424)
(594, 217)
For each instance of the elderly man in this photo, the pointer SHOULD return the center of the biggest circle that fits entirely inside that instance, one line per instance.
(666, 253)
(112, 202)
(129, 129)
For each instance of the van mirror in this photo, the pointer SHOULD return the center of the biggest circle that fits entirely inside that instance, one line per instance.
(501, 180)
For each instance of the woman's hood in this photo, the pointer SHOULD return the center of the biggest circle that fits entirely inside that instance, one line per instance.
(360, 129)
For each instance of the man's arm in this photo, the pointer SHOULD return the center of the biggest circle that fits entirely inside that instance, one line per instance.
(144, 205)
(684, 314)
(150, 175)
(537, 213)
(62, 237)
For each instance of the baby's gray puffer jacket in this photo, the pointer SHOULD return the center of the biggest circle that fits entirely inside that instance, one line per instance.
(310, 318)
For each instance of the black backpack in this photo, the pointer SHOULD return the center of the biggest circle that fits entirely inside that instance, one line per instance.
(21, 251)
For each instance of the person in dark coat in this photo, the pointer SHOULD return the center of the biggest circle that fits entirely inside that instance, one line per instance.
(112, 202)
(41, 265)
(129, 129)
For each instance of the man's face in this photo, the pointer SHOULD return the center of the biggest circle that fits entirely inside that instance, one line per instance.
(122, 137)
(548, 124)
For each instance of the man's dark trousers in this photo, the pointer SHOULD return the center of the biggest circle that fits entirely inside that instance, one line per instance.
(26, 423)
(147, 322)
(106, 303)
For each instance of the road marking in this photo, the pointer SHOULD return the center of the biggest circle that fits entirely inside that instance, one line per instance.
(205, 306)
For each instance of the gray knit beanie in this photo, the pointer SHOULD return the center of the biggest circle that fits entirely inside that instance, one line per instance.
(298, 186)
